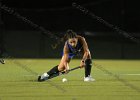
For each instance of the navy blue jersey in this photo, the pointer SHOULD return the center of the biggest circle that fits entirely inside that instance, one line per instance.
(74, 51)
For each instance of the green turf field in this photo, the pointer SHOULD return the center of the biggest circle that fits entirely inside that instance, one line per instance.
(115, 80)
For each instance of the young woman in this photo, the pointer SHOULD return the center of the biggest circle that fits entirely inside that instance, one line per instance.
(74, 45)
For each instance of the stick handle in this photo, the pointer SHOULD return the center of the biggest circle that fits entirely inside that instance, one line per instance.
(74, 68)
(63, 72)
(71, 69)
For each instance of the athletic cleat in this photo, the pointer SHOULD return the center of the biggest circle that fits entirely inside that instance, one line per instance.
(39, 79)
(43, 77)
(2, 61)
(91, 79)
(88, 79)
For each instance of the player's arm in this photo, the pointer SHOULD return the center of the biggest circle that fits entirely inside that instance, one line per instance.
(86, 52)
(66, 59)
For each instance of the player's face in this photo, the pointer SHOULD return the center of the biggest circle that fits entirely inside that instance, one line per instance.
(73, 42)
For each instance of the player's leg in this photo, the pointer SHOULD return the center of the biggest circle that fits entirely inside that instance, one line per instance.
(59, 67)
(54, 71)
(88, 66)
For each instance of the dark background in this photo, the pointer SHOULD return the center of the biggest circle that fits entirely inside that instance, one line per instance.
(19, 39)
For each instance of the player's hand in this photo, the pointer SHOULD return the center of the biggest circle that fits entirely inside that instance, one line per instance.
(67, 69)
(82, 64)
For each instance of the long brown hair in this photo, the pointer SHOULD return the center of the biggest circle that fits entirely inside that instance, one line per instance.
(70, 34)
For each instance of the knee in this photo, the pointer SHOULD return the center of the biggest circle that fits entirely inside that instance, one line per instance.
(61, 68)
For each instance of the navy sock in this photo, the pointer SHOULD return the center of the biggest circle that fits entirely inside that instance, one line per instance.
(53, 70)
(88, 66)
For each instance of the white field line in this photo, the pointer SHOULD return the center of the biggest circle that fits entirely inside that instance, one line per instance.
(130, 74)
(120, 74)
(29, 75)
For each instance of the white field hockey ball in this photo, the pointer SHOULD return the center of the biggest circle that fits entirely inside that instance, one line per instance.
(64, 80)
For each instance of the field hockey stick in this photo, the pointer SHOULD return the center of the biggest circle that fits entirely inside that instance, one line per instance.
(63, 72)
(70, 70)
